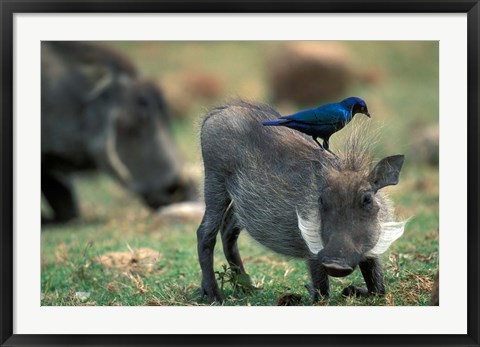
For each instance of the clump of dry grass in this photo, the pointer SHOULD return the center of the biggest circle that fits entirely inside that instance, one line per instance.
(61, 256)
(410, 288)
(138, 283)
(175, 294)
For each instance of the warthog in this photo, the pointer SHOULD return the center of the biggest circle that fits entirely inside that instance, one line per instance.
(97, 114)
(293, 198)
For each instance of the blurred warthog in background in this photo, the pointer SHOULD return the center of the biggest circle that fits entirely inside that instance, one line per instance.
(98, 115)
(307, 73)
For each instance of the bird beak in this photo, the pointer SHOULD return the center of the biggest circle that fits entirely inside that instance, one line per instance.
(368, 115)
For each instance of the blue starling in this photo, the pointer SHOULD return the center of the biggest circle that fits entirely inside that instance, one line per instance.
(323, 121)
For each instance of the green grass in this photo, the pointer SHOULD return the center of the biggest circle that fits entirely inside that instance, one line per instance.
(113, 220)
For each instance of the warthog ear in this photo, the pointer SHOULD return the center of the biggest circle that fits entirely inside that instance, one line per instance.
(386, 172)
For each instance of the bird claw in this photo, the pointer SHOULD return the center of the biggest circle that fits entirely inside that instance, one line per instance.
(318, 143)
(329, 151)
(325, 149)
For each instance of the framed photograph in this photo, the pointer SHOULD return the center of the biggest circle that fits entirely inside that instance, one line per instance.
(145, 146)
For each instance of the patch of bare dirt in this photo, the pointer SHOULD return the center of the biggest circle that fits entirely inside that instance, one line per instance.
(143, 260)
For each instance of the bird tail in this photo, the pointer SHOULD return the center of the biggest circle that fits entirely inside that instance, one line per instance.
(274, 122)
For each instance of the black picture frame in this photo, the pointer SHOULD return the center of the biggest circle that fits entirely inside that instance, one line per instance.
(10, 7)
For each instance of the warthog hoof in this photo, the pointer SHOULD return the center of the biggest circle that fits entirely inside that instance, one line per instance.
(211, 292)
(355, 291)
(315, 293)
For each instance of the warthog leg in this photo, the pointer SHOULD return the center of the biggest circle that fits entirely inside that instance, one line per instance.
(230, 231)
(373, 276)
(216, 204)
(206, 238)
(320, 285)
(58, 192)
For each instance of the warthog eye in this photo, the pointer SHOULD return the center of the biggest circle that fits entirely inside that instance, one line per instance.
(142, 102)
(367, 200)
(322, 202)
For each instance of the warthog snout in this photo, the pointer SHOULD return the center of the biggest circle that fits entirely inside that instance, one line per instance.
(178, 191)
(336, 267)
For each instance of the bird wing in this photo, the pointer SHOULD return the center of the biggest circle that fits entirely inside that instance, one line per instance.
(326, 114)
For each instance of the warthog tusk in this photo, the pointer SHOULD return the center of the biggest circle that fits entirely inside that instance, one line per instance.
(390, 232)
(310, 230)
(118, 166)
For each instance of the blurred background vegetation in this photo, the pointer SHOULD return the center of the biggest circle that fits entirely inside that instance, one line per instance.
(120, 253)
